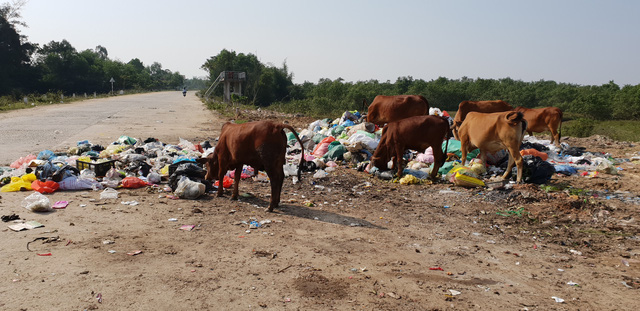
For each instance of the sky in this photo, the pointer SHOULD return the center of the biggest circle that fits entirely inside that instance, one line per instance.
(571, 41)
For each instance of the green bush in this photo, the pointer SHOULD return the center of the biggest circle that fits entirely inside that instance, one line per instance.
(578, 128)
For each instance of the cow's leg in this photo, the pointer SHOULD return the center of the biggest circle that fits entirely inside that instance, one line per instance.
(438, 160)
(276, 178)
(519, 164)
(530, 133)
(555, 138)
(236, 182)
(463, 150)
(399, 159)
(222, 170)
(507, 173)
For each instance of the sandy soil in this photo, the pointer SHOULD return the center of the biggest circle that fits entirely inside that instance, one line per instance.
(347, 242)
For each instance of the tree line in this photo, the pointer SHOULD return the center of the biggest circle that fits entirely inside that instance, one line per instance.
(27, 68)
(57, 67)
(268, 85)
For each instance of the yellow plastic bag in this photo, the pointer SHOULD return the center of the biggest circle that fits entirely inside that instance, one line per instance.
(29, 177)
(409, 179)
(17, 184)
(165, 170)
(467, 181)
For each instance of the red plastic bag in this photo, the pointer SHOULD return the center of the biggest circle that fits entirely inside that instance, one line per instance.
(326, 141)
(226, 182)
(534, 152)
(48, 186)
(133, 182)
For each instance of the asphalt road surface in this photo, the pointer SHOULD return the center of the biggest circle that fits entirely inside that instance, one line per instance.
(166, 116)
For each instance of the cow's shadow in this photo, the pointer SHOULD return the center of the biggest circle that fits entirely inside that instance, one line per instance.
(302, 211)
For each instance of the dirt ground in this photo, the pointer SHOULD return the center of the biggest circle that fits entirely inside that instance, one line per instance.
(346, 242)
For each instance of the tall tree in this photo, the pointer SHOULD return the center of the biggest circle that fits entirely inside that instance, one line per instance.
(15, 51)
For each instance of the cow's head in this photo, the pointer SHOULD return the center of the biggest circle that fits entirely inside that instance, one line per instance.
(211, 165)
(455, 128)
(382, 163)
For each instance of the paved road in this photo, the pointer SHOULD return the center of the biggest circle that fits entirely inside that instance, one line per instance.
(163, 115)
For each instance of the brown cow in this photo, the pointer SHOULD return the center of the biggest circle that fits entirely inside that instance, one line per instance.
(491, 132)
(542, 119)
(385, 109)
(261, 145)
(484, 106)
(417, 133)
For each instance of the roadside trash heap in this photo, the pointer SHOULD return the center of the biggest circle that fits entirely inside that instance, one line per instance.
(125, 163)
(329, 144)
(350, 140)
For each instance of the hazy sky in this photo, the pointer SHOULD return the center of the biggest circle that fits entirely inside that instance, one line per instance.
(582, 42)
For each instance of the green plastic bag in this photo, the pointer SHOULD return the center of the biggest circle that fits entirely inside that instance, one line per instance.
(454, 147)
(336, 151)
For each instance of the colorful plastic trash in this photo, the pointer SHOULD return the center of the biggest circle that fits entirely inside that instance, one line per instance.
(48, 186)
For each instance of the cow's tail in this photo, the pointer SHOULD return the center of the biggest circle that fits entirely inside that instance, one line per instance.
(447, 136)
(560, 128)
(515, 118)
(301, 163)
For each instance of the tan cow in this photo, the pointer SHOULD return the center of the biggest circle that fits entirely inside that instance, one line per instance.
(543, 119)
(484, 106)
(492, 132)
(385, 109)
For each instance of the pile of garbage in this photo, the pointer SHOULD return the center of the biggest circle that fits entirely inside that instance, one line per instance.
(125, 163)
(347, 141)
(351, 140)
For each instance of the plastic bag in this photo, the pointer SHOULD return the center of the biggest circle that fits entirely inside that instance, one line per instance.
(226, 182)
(154, 178)
(320, 174)
(19, 183)
(467, 181)
(188, 189)
(186, 145)
(75, 183)
(37, 202)
(409, 180)
(290, 170)
(133, 183)
(323, 147)
(48, 186)
(534, 152)
(22, 161)
(45, 155)
(109, 193)
(126, 140)
(261, 176)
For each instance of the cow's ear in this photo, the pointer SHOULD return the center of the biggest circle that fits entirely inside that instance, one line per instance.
(202, 160)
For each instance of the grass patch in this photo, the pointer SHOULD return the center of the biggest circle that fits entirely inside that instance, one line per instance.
(620, 130)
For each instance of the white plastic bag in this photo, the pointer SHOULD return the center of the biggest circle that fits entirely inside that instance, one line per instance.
(154, 178)
(185, 144)
(109, 193)
(290, 170)
(37, 202)
(320, 174)
(75, 183)
(188, 189)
